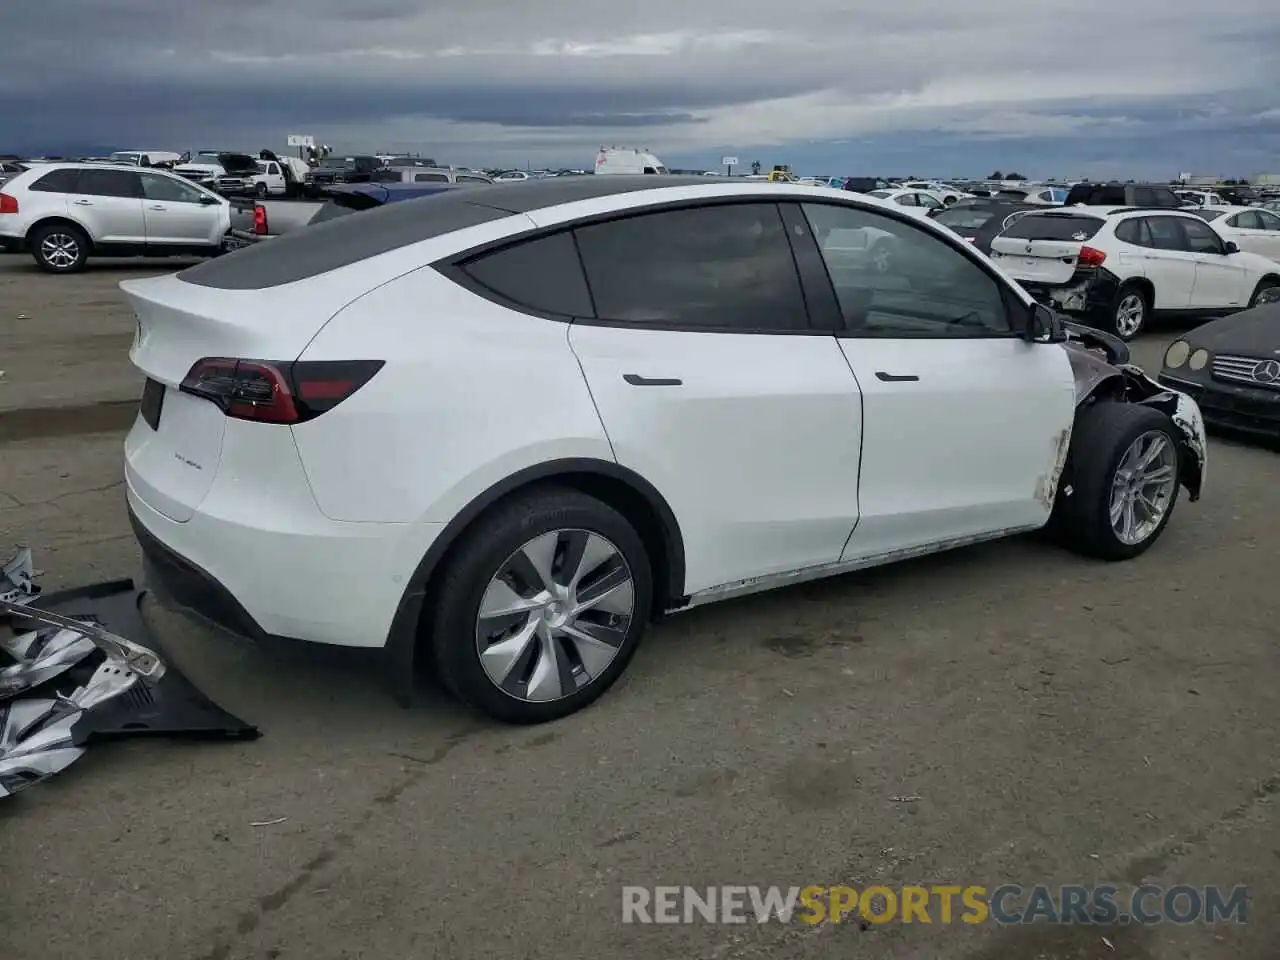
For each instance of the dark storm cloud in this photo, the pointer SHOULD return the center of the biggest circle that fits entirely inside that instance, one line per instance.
(701, 75)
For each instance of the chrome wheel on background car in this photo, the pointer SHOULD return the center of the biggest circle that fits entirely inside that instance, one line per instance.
(1131, 314)
(59, 249)
(554, 617)
(1144, 487)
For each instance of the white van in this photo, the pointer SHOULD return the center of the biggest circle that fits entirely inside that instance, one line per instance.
(627, 160)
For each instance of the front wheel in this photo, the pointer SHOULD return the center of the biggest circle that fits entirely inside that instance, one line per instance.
(542, 607)
(260, 190)
(1263, 287)
(1121, 481)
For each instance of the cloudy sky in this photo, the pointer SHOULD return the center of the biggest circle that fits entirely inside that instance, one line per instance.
(1081, 88)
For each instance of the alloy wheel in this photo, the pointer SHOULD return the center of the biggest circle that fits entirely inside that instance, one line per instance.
(1144, 487)
(60, 250)
(1130, 314)
(555, 615)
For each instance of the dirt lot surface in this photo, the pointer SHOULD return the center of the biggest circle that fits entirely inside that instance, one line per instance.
(1006, 713)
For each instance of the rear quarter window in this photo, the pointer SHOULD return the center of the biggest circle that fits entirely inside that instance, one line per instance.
(544, 275)
(1054, 227)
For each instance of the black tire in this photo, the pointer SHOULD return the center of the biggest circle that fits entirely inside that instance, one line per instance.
(260, 190)
(1123, 301)
(45, 240)
(1263, 285)
(481, 555)
(1103, 434)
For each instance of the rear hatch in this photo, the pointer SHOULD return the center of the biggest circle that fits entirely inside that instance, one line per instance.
(1046, 248)
(176, 444)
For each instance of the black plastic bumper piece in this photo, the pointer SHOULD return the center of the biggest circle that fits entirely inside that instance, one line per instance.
(169, 707)
(179, 582)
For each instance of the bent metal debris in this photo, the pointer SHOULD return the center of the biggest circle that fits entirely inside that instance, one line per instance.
(70, 675)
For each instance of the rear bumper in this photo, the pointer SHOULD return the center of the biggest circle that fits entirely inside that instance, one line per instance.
(1234, 408)
(1086, 299)
(12, 244)
(258, 558)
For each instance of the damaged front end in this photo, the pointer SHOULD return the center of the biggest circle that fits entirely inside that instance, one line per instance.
(69, 675)
(1102, 370)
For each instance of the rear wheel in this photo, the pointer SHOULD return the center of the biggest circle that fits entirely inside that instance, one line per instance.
(1129, 311)
(1121, 481)
(59, 248)
(542, 607)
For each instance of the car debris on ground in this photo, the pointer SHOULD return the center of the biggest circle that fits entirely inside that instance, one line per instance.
(69, 676)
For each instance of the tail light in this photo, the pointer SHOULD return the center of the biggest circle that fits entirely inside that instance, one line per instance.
(259, 219)
(1091, 257)
(8, 204)
(270, 392)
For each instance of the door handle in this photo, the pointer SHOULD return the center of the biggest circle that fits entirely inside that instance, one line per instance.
(896, 377)
(83, 203)
(157, 206)
(638, 381)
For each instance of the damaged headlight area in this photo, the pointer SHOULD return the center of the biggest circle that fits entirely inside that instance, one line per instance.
(70, 674)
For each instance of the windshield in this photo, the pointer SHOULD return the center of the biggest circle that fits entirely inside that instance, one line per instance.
(1054, 226)
(1208, 214)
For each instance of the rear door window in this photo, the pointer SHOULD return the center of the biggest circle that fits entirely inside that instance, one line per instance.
(717, 267)
(1165, 232)
(57, 181)
(430, 178)
(1135, 232)
(544, 275)
(1267, 220)
(1246, 221)
(110, 183)
(1049, 226)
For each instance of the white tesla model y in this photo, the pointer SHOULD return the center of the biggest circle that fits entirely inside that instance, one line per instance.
(503, 430)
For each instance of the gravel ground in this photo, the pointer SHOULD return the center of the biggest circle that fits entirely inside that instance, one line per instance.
(1059, 721)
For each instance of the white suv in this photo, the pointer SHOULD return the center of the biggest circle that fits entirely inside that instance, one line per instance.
(506, 428)
(1117, 268)
(63, 213)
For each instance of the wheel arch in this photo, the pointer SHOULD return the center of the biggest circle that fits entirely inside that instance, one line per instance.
(623, 489)
(1145, 285)
(57, 220)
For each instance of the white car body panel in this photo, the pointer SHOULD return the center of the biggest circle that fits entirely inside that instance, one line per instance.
(1264, 243)
(773, 422)
(446, 451)
(780, 455)
(933, 469)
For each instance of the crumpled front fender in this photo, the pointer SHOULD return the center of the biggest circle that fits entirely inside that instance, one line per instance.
(1185, 413)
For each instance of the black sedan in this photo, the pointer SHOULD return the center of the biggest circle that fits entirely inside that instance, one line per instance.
(980, 220)
(1232, 369)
